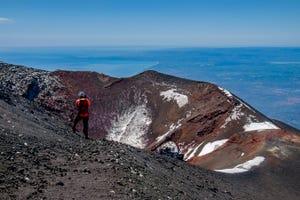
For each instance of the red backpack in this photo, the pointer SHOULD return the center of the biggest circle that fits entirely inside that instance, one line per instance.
(83, 106)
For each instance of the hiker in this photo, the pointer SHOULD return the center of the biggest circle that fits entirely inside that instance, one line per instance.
(83, 104)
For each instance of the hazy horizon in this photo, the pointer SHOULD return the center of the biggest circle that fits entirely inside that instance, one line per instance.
(176, 23)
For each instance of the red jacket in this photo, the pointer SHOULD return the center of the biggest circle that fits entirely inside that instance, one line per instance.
(83, 105)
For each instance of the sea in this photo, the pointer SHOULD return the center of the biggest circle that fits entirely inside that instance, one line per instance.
(266, 78)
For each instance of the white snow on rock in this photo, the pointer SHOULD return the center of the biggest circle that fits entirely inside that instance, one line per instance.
(244, 167)
(192, 153)
(131, 126)
(171, 129)
(228, 94)
(257, 126)
(171, 94)
(211, 146)
(235, 115)
(188, 152)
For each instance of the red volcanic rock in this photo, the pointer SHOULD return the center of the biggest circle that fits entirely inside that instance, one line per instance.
(212, 127)
(150, 109)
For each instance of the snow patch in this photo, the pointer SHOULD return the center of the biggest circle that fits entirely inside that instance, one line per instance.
(244, 167)
(257, 126)
(227, 93)
(188, 114)
(235, 115)
(187, 153)
(171, 129)
(131, 126)
(193, 152)
(170, 95)
(211, 146)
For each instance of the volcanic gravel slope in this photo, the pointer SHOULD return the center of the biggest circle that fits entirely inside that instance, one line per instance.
(42, 159)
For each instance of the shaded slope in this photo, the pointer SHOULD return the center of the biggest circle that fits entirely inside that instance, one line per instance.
(40, 158)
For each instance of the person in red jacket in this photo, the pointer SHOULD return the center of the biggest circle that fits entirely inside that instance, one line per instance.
(83, 104)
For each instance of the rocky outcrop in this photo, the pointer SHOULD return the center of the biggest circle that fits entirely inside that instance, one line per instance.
(36, 85)
(210, 126)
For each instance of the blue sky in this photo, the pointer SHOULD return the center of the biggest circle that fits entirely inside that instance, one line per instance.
(200, 23)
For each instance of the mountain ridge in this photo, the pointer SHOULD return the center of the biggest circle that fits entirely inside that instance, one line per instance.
(221, 133)
(145, 110)
(42, 158)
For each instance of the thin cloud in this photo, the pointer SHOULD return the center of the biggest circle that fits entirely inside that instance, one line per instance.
(289, 101)
(5, 20)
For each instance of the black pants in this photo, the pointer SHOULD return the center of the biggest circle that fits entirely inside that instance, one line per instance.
(85, 124)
